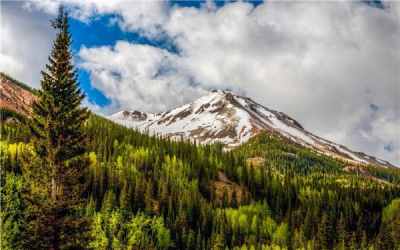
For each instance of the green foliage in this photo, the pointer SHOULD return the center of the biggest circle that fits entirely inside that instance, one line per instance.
(391, 223)
(135, 179)
(391, 212)
(98, 234)
(281, 235)
(13, 213)
(7, 114)
(112, 231)
(13, 126)
(148, 233)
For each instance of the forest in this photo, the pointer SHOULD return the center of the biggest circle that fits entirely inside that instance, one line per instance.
(146, 192)
(71, 179)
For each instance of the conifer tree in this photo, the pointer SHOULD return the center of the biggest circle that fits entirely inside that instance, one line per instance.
(322, 234)
(56, 176)
(341, 233)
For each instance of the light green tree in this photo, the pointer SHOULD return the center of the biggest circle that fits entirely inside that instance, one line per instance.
(280, 236)
(145, 232)
(12, 216)
(98, 234)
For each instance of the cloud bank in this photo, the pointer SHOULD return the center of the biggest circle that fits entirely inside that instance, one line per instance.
(334, 67)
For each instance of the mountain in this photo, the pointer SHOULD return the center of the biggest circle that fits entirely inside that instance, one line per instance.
(15, 96)
(267, 193)
(230, 119)
(219, 117)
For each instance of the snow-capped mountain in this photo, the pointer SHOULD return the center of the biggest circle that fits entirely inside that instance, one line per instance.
(222, 116)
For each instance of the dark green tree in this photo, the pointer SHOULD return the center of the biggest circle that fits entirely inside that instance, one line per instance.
(322, 234)
(384, 239)
(56, 173)
(341, 233)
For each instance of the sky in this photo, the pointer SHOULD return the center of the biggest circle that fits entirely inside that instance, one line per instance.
(332, 66)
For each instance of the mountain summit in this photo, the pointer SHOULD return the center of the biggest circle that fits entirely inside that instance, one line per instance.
(224, 117)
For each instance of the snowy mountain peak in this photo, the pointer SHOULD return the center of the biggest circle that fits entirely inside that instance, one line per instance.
(222, 116)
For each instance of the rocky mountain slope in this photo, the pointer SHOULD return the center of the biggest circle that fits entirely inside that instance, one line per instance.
(15, 96)
(224, 117)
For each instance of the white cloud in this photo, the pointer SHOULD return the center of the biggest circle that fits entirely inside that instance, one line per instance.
(322, 63)
(144, 16)
(24, 43)
(138, 76)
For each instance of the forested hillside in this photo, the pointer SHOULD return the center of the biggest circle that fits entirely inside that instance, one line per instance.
(150, 193)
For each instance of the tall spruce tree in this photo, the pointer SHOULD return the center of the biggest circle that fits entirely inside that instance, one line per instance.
(56, 175)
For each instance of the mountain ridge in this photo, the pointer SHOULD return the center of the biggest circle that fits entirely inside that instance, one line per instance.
(230, 119)
(220, 116)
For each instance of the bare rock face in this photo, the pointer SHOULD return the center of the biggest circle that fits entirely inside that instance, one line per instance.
(14, 96)
(137, 115)
(255, 162)
(230, 119)
(225, 187)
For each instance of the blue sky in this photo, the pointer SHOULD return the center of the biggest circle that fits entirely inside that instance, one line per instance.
(331, 66)
(101, 32)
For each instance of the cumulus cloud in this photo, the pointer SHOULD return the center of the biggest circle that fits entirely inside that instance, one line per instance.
(146, 17)
(24, 42)
(138, 76)
(322, 63)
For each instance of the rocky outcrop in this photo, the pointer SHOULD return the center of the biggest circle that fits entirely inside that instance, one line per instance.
(14, 96)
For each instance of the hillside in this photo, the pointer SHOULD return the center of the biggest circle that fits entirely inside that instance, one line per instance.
(15, 96)
(230, 119)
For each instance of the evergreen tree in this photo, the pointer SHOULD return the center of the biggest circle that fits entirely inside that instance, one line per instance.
(384, 239)
(307, 225)
(218, 242)
(322, 235)
(56, 176)
(341, 233)
(353, 245)
(124, 199)
(364, 241)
